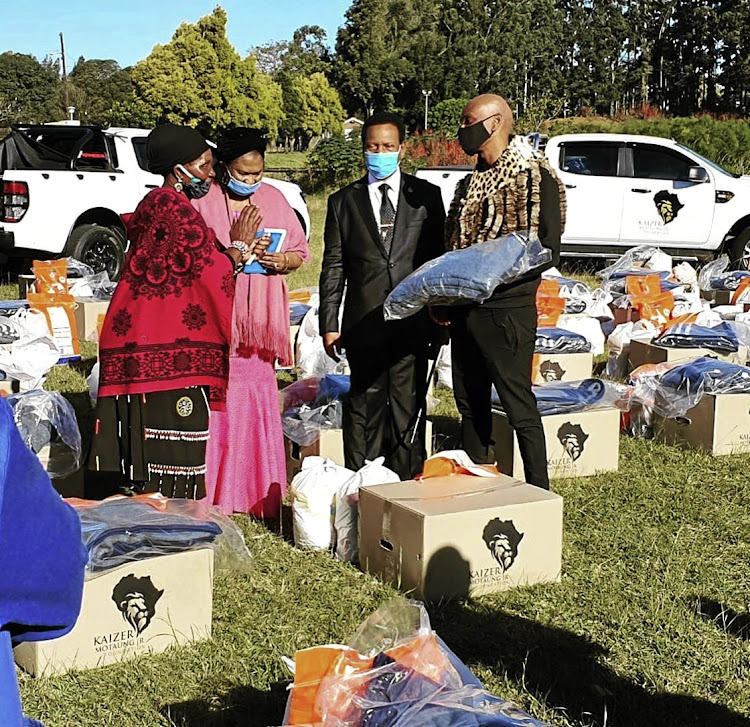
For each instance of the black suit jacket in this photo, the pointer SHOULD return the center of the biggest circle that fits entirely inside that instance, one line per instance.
(355, 259)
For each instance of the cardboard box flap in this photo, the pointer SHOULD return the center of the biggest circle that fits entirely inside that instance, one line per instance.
(439, 495)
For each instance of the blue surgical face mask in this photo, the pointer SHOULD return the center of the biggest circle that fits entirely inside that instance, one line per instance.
(240, 188)
(196, 187)
(381, 164)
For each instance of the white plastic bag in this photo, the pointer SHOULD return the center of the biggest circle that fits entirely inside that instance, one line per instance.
(313, 492)
(618, 345)
(444, 368)
(346, 522)
(312, 359)
(586, 326)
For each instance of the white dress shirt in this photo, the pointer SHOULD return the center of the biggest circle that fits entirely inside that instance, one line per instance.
(376, 196)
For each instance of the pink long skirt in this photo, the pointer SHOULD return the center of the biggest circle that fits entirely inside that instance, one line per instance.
(245, 459)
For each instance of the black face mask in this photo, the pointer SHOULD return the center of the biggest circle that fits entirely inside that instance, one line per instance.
(471, 138)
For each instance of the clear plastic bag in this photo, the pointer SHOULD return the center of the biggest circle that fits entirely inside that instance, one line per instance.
(672, 392)
(78, 269)
(396, 672)
(126, 529)
(93, 287)
(466, 276)
(48, 426)
(588, 327)
(712, 271)
(310, 406)
(346, 521)
(560, 340)
(313, 494)
(633, 259)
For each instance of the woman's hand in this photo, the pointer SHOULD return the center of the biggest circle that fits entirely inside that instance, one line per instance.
(246, 226)
(281, 262)
(259, 246)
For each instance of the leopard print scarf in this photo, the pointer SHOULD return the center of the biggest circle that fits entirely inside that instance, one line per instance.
(502, 199)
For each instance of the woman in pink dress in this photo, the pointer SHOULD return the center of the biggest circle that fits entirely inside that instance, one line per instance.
(245, 458)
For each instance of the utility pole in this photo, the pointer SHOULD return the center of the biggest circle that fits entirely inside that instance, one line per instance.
(64, 72)
(426, 95)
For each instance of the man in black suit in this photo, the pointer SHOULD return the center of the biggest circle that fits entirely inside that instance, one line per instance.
(378, 230)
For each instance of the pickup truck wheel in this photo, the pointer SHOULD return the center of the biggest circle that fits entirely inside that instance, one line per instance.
(102, 248)
(739, 250)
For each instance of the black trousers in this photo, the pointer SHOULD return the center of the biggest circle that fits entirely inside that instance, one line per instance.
(496, 346)
(388, 393)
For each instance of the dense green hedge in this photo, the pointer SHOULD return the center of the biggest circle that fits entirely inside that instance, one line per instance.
(724, 142)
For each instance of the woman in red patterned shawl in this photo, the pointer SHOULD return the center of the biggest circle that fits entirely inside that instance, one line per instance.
(165, 341)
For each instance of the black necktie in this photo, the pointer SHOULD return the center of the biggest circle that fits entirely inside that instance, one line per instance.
(387, 218)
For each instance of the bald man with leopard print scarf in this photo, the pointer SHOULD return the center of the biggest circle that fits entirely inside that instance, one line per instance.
(511, 189)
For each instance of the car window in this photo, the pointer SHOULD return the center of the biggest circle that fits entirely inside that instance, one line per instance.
(592, 158)
(139, 146)
(654, 162)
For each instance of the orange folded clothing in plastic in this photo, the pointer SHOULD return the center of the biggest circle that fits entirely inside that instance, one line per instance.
(549, 304)
(443, 466)
(643, 286)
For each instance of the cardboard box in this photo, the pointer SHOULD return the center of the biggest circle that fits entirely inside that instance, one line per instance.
(460, 535)
(578, 445)
(625, 315)
(330, 445)
(87, 318)
(561, 367)
(173, 594)
(648, 353)
(718, 424)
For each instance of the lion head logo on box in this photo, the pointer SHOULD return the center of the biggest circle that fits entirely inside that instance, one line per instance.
(502, 539)
(136, 598)
(551, 371)
(573, 439)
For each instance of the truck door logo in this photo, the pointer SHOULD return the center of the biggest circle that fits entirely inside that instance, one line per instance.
(668, 205)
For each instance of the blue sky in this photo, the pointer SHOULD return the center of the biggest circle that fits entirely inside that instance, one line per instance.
(127, 31)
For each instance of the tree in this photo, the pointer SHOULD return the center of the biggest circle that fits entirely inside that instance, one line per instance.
(199, 79)
(97, 86)
(445, 116)
(312, 108)
(28, 90)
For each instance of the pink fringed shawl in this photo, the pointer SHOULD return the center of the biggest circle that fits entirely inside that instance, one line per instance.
(260, 319)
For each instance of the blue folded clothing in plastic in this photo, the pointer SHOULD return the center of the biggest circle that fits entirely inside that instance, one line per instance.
(333, 386)
(618, 283)
(569, 397)
(297, 311)
(689, 335)
(558, 340)
(466, 276)
(709, 375)
(729, 281)
(121, 531)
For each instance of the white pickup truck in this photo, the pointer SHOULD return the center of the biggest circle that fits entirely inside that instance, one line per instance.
(64, 187)
(625, 190)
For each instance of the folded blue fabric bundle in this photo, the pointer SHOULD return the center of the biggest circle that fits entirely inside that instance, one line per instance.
(303, 423)
(567, 398)
(121, 531)
(617, 282)
(466, 276)
(297, 311)
(709, 375)
(689, 335)
(333, 386)
(558, 340)
(729, 281)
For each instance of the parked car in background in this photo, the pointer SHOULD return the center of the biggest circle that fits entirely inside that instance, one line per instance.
(624, 190)
(64, 188)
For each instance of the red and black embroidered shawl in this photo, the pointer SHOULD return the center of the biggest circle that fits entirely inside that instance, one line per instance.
(169, 322)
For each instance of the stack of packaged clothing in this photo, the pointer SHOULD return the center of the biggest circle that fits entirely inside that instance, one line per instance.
(721, 338)
(562, 397)
(396, 672)
(558, 340)
(310, 406)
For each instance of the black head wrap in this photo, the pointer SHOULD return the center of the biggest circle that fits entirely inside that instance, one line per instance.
(234, 143)
(169, 145)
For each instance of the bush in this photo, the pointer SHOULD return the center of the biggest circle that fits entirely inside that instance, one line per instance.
(444, 117)
(433, 150)
(335, 162)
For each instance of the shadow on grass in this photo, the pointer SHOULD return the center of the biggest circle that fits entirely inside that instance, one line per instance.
(242, 707)
(724, 618)
(564, 672)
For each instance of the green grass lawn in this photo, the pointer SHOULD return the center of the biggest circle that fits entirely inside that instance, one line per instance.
(286, 160)
(618, 642)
